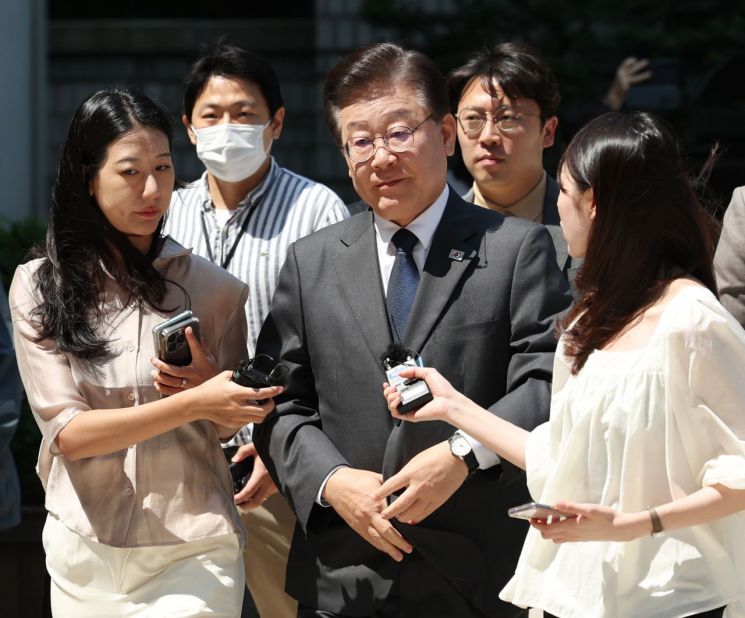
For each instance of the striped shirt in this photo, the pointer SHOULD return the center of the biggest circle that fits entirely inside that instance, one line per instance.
(281, 209)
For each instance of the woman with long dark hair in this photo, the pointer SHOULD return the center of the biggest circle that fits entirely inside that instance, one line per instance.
(141, 517)
(644, 449)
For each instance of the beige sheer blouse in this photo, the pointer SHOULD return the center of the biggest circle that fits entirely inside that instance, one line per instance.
(172, 488)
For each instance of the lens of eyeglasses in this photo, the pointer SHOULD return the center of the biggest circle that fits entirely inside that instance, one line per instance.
(508, 122)
(471, 121)
(397, 139)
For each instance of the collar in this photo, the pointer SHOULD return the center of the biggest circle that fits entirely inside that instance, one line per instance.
(251, 196)
(423, 226)
(169, 251)
(529, 207)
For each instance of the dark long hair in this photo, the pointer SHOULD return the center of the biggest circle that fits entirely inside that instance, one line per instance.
(81, 245)
(649, 226)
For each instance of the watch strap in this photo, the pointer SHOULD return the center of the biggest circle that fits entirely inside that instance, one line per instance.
(472, 463)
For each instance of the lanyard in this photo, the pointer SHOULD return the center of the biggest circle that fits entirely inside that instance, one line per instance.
(241, 232)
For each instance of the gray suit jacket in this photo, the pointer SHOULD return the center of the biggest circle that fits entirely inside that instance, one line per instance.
(551, 222)
(486, 323)
(729, 260)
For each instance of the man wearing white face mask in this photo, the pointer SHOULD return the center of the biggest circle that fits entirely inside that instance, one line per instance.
(243, 213)
(231, 152)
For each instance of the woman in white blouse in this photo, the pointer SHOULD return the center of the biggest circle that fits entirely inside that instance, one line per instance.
(141, 516)
(645, 443)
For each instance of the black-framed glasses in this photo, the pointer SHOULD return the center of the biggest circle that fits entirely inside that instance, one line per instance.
(396, 139)
(473, 120)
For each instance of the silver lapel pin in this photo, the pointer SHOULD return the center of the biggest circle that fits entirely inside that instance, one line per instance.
(456, 255)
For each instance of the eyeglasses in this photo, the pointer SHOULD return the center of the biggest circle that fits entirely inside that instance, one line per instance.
(395, 139)
(473, 120)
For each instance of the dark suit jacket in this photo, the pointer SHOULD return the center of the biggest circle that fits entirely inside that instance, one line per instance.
(486, 323)
(551, 221)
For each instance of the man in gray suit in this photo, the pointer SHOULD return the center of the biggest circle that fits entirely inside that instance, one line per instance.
(505, 99)
(729, 261)
(474, 292)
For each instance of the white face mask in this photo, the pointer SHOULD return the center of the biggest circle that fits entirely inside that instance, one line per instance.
(232, 152)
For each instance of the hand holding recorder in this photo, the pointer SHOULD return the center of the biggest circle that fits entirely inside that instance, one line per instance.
(443, 396)
(226, 399)
(413, 392)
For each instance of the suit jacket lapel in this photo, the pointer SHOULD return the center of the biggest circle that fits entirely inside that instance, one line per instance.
(359, 272)
(443, 269)
(552, 222)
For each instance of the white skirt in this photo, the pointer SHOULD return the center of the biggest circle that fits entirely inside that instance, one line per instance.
(93, 580)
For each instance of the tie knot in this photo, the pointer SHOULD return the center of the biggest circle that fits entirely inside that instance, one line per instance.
(404, 240)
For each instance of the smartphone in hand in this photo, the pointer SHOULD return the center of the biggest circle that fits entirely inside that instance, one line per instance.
(240, 472)
(536, 510)
(169, 338)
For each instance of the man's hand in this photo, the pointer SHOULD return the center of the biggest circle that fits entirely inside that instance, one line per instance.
(172, 379)
(430, 479)
(631, 71)
(350, 492)
(259, 486)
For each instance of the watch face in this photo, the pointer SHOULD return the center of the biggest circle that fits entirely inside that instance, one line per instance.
(459, 446)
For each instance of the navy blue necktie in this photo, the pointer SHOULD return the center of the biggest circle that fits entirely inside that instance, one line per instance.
(402, 283)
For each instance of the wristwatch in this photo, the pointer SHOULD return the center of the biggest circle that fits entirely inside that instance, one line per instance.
(461, 448)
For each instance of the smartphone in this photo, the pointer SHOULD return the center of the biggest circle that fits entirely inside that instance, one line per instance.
(240, 472)
(169, 339)
(536, 510)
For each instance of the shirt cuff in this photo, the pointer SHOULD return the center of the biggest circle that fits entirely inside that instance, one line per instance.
(319, 497)
(242, 437)
(486, 457)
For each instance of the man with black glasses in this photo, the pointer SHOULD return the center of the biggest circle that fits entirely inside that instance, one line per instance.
(474, 293)
(505, 100)
(243, 213)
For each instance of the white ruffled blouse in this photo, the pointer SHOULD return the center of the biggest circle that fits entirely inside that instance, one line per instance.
(634, 429)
